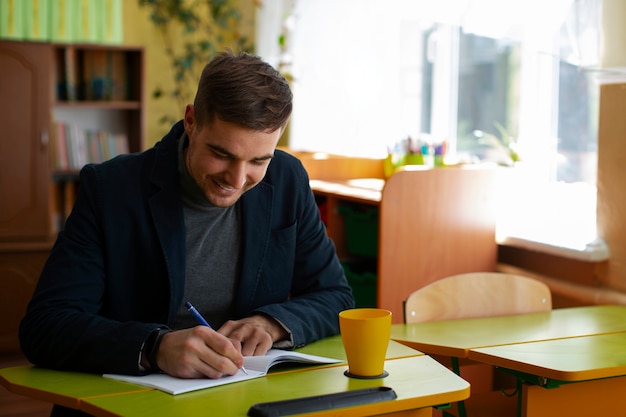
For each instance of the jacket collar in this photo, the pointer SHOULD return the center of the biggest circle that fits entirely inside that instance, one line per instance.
(166, 208)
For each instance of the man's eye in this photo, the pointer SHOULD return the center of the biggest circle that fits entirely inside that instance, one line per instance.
(221, 155)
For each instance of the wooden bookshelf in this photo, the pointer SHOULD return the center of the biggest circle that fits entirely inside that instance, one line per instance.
(98, 88)
(98, 97)
(37, 194)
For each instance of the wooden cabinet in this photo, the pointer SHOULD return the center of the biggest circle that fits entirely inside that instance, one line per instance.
(19, 270)
(432, 222)
(34, 192)
(25, 86)
(34, 84)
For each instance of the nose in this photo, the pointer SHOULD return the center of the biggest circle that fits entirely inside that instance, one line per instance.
(236, 174)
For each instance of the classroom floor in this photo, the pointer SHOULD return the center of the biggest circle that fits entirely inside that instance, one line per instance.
(17, 405)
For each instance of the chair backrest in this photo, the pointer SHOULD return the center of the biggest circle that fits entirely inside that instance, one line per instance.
(477, 294)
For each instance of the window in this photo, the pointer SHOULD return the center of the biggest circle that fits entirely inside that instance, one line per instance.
(488, 79)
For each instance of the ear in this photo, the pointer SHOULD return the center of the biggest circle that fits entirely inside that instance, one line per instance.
(190, 119)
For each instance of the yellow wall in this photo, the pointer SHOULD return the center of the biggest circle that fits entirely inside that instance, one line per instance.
(139, 30)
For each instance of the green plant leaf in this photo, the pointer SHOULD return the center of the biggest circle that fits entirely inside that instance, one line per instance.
(193, 31)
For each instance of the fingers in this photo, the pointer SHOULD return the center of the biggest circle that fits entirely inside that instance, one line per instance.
(253, 343)
(254, 334)
(199, 352)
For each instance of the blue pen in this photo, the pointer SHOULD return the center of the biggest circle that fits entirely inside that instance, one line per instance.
(197, 315)
(203, 322)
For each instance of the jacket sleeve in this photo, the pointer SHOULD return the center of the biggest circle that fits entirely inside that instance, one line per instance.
(82, 315)
(304, 264)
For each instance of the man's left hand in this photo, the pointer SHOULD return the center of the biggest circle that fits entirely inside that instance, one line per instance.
(256, 333)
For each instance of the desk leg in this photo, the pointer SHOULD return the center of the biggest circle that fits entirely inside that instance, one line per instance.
(598, 397)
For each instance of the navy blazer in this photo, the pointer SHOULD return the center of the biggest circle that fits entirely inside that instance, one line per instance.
(117, 270)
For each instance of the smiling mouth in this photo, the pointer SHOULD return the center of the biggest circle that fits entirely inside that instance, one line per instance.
(225, 187)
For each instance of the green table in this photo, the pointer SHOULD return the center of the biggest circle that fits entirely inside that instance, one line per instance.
(63, 388)
(419, 382)
(332, 347)
(574, 376)
(569, 362)
(455, 338)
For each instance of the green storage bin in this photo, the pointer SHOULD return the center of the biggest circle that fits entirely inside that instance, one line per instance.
(362, 279)
(361, 228)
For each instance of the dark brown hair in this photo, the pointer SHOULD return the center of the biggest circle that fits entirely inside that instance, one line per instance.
(243, 89)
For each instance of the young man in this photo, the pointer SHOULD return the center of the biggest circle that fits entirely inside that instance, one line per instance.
(212, 214)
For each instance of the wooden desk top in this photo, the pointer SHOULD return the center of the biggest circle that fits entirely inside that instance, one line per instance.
(572, 359)
(457, 337)
(365, 190)
(418, 381)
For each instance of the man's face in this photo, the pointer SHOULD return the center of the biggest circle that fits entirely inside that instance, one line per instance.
(226, 159)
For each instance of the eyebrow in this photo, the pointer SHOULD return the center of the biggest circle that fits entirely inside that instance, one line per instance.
(233, 156)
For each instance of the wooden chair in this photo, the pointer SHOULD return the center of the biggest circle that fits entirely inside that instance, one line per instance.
(472, 295)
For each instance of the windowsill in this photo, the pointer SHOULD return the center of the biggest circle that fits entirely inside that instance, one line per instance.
(595, 251)
(553, 218)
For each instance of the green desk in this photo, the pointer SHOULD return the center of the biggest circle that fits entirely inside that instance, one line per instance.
(455, 338)
(63, 388)
(597, 363)
(419, 381)
(570, 360)
(548, 352)
(332, 347)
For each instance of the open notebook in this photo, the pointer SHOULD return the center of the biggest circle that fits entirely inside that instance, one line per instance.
(257, 366)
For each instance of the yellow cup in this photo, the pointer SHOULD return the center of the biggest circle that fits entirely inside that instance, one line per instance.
(365, 334)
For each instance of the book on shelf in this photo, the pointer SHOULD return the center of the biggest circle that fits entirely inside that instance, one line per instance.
(54, 208)
(70, 72)
(62, 197)
(104, 75)
(119, 75)
(256, 366)
(60, 147)
(75, 146)
(71, 147)
(95, 74)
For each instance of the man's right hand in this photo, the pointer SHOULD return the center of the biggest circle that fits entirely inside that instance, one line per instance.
(199, 352)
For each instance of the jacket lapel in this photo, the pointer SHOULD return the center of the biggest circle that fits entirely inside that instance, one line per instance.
(256, 215)
(167, 213)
